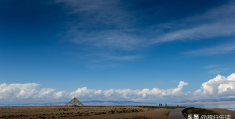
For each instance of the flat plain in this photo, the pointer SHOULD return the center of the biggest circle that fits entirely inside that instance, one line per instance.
(50, 112)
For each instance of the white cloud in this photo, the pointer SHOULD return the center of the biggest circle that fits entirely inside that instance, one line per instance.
(105, 25)
(212, 66)
(110, 39)
(211, 87)
(19, 91)
(217, 70)
(60, 94)
(123, 57)
(180, 87)
(28, 91)
(200, 32)
(221, 49)
(94, 14)
(219, 86)
(217, 22)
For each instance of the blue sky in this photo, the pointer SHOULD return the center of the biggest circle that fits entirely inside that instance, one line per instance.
(117, 50)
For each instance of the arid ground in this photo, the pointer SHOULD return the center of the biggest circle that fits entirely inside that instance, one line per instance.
(215, 111)
(224, 112)
(84, 112)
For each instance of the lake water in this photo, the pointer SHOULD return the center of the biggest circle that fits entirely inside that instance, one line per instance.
(229, 106)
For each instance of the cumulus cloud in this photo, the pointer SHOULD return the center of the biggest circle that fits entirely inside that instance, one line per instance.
(28, 91)
(219, 86)
(128, 93)
(20, 91)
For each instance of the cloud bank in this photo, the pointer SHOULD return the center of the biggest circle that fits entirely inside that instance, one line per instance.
(219, 86)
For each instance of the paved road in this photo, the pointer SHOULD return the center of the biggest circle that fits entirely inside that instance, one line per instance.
(177, 113)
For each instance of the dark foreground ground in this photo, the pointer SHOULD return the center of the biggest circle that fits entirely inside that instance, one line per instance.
(215, 112)
(84, 112)
(101, 112)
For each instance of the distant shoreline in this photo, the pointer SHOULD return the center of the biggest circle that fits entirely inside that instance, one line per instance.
(204, 102)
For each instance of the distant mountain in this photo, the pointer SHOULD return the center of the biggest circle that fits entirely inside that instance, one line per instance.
(119, 102)
(90, 103)
(110, 103)
(99, 102)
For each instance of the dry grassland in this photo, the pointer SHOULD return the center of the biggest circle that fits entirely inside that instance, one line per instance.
(84, 113)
